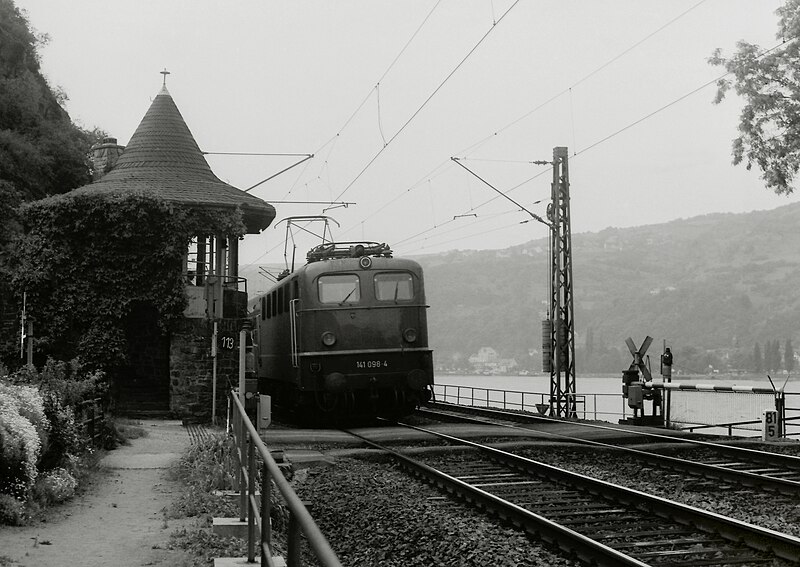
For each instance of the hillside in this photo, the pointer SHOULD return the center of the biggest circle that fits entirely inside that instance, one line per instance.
(711, 286)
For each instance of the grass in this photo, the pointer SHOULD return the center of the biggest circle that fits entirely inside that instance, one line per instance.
(128, 430)
(202, 470)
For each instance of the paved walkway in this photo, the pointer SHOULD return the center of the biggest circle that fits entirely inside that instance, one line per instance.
(119, 521)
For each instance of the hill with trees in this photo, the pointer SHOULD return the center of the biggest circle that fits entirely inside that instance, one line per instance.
(42, 153)
(714, 287)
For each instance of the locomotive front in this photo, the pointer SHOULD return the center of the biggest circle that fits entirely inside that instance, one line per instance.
(357, 342)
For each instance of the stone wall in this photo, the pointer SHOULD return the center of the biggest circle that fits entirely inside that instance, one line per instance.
(191, 368)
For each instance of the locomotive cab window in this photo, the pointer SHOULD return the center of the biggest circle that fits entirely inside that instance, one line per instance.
(339, 288)
(397, 286)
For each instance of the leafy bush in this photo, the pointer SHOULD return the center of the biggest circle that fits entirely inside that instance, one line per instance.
(55, 486)
(66, 438)
(19, 439)
(12, 511)
(62, 386)
(40, 436)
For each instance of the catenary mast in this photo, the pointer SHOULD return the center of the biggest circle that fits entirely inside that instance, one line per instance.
(561, 322)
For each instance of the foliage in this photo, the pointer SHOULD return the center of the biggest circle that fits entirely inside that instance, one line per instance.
(206, 546)
(12, 511)
(19, 440)
(788, 355)
(207, 464)
(127, 430)
(41, 152)
(769, 83)
(204, 468)
(41, 443)
(56, 485)
(63, 386)
(758, 360)
(88, 261)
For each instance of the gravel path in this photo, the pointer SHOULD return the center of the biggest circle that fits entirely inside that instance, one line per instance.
(118, 520)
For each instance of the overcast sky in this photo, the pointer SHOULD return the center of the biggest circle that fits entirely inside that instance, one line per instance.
(291, 77)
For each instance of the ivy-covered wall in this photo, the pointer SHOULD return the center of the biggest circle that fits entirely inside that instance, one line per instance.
(97, 267)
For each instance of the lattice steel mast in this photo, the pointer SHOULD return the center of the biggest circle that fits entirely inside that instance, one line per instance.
(562, 336)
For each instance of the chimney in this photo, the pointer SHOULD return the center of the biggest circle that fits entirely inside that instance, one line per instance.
(104, 157)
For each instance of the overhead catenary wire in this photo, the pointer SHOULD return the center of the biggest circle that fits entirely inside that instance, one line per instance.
(443, 166)
(679, 99)
(425, 102)
(640, 120)
(380, 79)
(602, 140)
(347, 122)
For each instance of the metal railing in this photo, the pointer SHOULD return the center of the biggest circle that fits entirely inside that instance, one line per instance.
(597, 406)
(588, 406)
(792, 412)
(257, 514)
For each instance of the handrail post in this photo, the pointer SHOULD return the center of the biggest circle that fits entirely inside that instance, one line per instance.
(241, 449)
(251, 490)
(266, 506)
(293, 543)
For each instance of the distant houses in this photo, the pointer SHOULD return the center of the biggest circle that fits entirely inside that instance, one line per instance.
(487, 361)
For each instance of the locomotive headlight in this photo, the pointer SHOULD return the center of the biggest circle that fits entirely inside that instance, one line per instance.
(328, 339)
(410, 335)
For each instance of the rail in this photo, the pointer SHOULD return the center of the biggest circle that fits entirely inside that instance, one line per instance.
(257, 515)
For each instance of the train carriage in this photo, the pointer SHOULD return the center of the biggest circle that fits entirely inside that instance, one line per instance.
(345, 336)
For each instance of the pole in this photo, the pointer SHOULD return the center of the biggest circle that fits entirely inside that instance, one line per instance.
(30, 344)
(242, 360)
(22, 325)
(214, 375)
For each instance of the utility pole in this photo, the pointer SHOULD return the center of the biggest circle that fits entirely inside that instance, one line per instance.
(561, 323)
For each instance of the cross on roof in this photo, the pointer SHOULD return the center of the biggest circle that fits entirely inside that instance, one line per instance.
(165, 73)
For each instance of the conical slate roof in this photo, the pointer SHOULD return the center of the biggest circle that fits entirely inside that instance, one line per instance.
(163, 156)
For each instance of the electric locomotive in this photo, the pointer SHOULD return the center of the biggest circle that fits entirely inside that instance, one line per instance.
(345, 336)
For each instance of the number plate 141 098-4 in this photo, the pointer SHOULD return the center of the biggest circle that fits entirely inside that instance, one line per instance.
(368, 364)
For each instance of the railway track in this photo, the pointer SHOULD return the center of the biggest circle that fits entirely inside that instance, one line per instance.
(596, 521)
(760, 470)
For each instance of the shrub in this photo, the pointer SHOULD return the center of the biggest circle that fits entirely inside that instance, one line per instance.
(29, 404)
(19, 441)
(63, 386)
(55, 486)
(66, 438)
(12, 511)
